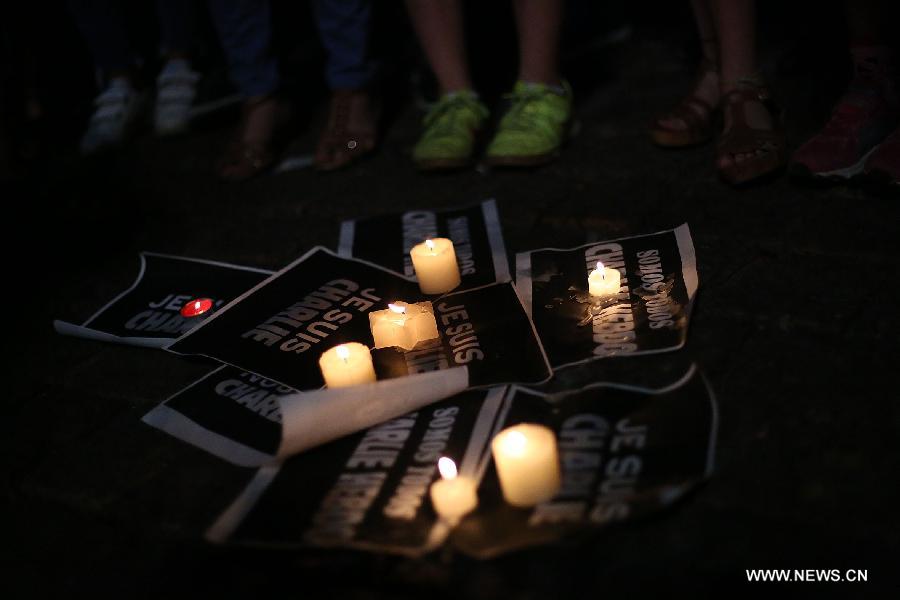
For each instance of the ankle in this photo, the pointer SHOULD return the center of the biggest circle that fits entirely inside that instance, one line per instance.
(744, 83)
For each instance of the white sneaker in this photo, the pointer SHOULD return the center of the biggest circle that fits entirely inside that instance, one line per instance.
(176, 88)
(118, 109)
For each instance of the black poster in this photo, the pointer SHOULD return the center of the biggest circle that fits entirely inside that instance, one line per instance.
(650, 314)
(475, 231)
(149, 312)
(280, 328)
(624, 452)
(233, 414)
(368, 490)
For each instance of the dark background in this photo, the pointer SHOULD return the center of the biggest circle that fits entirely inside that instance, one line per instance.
(795, 323)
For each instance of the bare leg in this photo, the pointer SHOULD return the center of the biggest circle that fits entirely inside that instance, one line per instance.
(439, 27)
(538, 23)
(707, 85)
(867, 21)
(736, 24)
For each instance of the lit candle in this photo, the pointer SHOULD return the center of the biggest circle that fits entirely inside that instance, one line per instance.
(403, 325)
(435, 263)
(527, 464)
(196, 307)
(603, 281)
(452, 496)
(347, 364)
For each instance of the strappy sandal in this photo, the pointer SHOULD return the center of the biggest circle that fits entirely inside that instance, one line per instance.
(696, 114)
(242, 159)
(340, 143)
(766, 147)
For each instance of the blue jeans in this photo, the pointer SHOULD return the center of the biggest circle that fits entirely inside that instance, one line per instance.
(102, 25)
(245, 30)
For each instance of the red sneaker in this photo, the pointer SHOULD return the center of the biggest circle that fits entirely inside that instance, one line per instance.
(860, 121)
(884, 163)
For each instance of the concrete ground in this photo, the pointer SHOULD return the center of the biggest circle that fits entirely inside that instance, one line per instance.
(795, 327)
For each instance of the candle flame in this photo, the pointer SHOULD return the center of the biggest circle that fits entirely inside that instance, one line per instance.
(601, 269)
(400, 310)
(197, 305)
(430, 245)
(343, 352)
(447, 467)
(514, 442)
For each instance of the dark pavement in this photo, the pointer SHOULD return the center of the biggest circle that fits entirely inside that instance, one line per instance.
(795, 327)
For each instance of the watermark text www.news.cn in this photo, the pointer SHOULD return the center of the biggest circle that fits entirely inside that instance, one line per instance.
(808, 575)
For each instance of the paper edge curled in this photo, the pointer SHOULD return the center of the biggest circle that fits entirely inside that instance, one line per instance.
(310, 419)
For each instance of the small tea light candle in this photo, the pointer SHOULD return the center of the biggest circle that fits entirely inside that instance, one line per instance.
(403, 325)
(435, 263)
(452, 497)
(527, 464)
(347, 364)
(196, 307)
(603, 281)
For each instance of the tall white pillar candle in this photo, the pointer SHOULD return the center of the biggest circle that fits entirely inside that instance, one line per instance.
(347, 364)
(527, 464)
(435, 263)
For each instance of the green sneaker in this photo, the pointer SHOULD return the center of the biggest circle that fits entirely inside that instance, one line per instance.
(451, 126)
(533, 129)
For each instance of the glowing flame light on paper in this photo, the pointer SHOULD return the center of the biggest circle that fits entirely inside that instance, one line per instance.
(342, 352)
(514, 442)
(447, 467)
(196, 307)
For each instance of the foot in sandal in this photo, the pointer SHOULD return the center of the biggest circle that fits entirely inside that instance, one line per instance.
(350, 132)
(690, 123)
(253, 149)
(752, 143)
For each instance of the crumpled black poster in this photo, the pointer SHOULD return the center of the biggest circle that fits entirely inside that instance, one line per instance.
(625, 452)
(649, 315)
(475, 231)
(149, 312)
(280, 328)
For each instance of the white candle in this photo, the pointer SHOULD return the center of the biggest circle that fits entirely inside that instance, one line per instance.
(452, 496)
(347, 364)
(527, 464)
(403, 325)
(435, 263)
(603, 281)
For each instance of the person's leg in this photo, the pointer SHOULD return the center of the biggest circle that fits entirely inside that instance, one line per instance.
(534, 127)
(874, 63)
(740, 83)
(244, 29)
(176, 85)
(439, 28)
(696, 110)
(119, 106)
(454, 121)
(344, 27)
(176, 27)
(868, 111)
(101, 24)
(538, 24)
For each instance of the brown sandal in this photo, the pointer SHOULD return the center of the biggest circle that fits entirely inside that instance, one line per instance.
(243, 159)
(766, 146)
(693, 111)
(350, 132)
